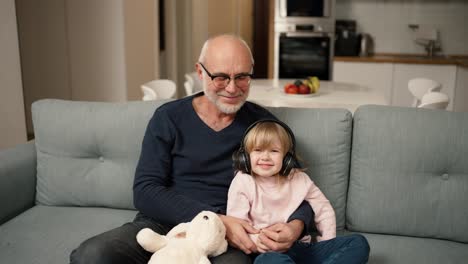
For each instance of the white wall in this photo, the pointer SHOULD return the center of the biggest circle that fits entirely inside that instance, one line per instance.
(12, 121)
(387, 21)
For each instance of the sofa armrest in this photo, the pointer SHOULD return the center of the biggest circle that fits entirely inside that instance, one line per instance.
(17, 180)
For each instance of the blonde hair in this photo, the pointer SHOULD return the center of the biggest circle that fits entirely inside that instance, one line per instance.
(263, 134)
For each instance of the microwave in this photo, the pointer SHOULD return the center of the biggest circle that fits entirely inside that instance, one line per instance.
(303, 11)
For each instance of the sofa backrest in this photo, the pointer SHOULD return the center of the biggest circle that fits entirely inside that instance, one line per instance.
(87, 151)
(324, 143)
(409, 173)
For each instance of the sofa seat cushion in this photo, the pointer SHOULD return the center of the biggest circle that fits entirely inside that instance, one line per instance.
(47, 234)
(400, 249)
(409, 173)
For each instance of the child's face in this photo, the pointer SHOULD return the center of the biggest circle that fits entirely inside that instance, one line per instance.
(267, 161)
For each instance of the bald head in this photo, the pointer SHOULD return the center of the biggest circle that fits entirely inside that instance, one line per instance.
(225, 45)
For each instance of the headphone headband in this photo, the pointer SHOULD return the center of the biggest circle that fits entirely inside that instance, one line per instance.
(286, 127)
(241, 159)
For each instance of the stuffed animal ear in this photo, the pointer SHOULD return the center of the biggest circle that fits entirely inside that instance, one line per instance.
(150, 240)
(178, 231)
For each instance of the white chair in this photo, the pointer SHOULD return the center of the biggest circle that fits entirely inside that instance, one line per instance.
(434, 100)
(188, 84)
(158, 89)
(418, 87)
(192, 83)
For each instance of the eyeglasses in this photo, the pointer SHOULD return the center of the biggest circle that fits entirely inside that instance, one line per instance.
(222, 80)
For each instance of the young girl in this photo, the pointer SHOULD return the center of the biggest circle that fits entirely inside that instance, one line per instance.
(269, 186)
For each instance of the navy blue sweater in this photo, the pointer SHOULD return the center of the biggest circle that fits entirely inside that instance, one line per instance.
(186, 167)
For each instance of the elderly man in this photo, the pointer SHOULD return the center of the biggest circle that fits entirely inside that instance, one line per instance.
(185, 165)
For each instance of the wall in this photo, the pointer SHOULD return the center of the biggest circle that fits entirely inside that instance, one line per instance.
(141, 45)
(213, 17)
(12, 121)
(95, 41)
(86, 50)
(44, 54)
(387, 21)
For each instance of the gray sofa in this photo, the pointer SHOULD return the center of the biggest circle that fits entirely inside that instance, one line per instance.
(397, 175)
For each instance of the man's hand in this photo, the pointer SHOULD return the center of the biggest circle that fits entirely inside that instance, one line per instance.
(237, 233)
(279, 237)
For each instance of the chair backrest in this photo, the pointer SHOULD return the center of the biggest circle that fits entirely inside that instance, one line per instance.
(418, 87)
(434, 100)
(148, 94)
(188, 88)
(188, 84)
(192, 83)
(163, 89)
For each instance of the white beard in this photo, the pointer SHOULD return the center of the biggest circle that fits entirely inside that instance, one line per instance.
(225, 108)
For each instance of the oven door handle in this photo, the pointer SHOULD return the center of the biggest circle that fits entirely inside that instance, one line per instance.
(304, 34)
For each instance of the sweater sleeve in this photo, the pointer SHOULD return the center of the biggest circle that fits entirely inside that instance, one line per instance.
(152, 192)
(238, 203)
(324, 214)
(305, 214)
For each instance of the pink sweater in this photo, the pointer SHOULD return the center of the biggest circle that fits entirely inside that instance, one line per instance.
(264, 202)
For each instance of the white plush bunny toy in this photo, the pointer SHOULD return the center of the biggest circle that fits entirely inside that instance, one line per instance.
(204, 237)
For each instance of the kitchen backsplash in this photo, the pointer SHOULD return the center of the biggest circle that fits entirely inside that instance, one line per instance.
(387, 22)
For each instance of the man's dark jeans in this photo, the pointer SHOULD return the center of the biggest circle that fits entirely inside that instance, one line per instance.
(119, 245)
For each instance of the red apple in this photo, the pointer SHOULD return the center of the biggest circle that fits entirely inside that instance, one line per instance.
(286, 87)
(304, 89)
(293, 89)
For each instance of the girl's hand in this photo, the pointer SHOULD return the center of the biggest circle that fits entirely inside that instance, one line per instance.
(237, 233)
(280, 237)
(261, 248)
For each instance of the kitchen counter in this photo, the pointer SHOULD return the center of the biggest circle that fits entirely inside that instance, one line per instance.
(460, 60)
(269, 92)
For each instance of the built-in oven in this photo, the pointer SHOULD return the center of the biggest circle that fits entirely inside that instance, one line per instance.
(303, 52)
(304, 35)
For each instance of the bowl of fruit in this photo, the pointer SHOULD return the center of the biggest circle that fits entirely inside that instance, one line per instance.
(303, 88)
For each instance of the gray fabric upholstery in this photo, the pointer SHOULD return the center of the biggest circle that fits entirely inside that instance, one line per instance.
(47, 234)
(17, 175)
(87, 152)
(409, 173)
(398, 175)
(386, 249)
(324, 143)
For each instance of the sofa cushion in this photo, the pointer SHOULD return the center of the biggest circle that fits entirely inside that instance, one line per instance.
(48, 234)
(87, 151)
(324, 144)
(387, 249)
(409, 173)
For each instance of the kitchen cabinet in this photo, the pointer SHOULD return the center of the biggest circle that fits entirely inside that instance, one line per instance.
(392, 78)
(373, 75)
(460, 99)
(402, 73)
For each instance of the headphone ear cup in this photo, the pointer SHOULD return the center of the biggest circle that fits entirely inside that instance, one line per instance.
(289, 162)
(241, 161)
(246, 159)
